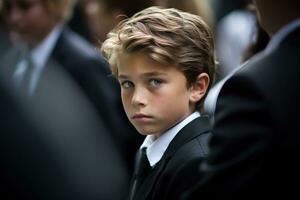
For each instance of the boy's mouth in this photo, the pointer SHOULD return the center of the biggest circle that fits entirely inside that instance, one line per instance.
(138, 115)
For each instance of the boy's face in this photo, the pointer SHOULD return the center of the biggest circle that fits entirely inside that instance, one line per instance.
(155, 97)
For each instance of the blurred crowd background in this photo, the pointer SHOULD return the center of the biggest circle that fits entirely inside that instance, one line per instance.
(233, 22)
(76, 104)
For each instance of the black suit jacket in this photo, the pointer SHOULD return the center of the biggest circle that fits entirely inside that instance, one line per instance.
(175, 171)
(255, 143)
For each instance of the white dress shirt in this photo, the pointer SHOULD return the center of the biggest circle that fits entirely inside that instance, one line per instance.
(156, 147)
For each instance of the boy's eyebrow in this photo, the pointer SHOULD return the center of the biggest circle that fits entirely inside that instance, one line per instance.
(123, 76)
(154, 73)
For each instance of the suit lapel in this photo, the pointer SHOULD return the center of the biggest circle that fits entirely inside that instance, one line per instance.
(195, 128)
(65, 46)
(61, 47)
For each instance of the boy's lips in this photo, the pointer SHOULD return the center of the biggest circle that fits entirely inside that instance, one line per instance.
(140, 116)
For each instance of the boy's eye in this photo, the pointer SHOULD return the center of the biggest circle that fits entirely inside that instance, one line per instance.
(126, 84)
(155, 82)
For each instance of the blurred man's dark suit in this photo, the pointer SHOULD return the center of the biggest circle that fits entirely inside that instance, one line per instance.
(4, 37)
(254, 151)
(90, 71)
(55, 146)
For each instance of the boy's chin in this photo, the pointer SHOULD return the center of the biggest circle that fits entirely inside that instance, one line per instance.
(146, 133)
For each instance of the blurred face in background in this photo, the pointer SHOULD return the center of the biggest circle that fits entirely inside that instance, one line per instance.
(108, 18)
(273, 16)
(30, 20)
(263, 12)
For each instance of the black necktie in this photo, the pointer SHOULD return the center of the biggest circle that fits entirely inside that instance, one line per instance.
(141, 169)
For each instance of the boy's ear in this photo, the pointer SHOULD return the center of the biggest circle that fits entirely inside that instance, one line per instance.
(199, 87)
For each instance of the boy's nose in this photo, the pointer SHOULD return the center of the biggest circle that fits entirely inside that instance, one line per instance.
(139, 97)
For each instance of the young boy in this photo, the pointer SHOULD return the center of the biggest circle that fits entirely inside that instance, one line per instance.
(164, 61)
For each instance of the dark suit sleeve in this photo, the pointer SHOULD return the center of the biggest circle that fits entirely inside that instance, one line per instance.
(240, 143)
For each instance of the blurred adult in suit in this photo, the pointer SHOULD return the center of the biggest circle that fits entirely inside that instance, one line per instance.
(255, 144)
(42, 38)
(48, 152)
(256, 46)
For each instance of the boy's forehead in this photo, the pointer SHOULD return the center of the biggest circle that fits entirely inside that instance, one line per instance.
(140, 60)
(142, 65)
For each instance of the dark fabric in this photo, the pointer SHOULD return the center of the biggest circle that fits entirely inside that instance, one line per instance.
(255, 142)
(91, 72)
(55, 146)
(142, 165)
(141, 169)
(82, 63)
(5, 42)
(175, 171)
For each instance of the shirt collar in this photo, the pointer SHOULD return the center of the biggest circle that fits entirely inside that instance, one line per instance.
(157, 147)
(42, 51)
(281, 34)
